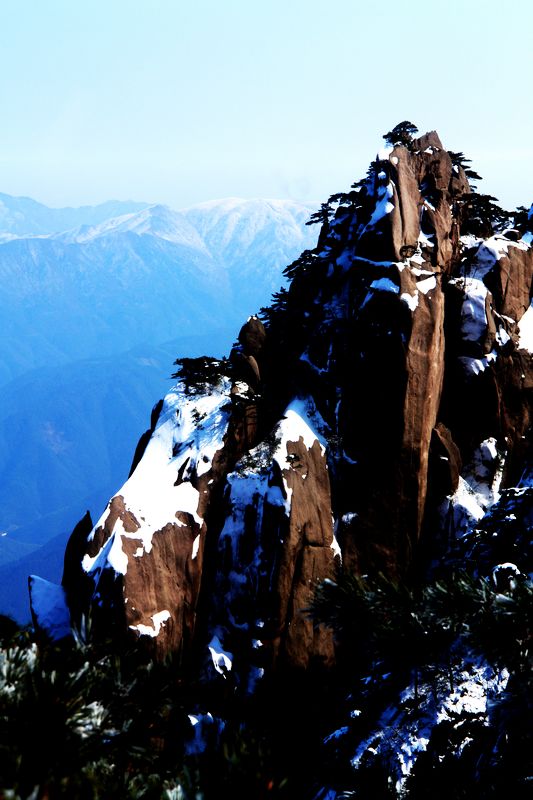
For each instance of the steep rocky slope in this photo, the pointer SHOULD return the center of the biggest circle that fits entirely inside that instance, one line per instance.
(378, 414)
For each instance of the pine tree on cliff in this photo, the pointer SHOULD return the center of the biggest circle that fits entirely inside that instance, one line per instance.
(322, 216)
(401, 134)
(481, 216)
(522, 220)
(460, 160)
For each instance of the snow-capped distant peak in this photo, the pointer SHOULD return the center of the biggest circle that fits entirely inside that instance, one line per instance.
(234, 222)
(250, 208)
(229, 203)
(155, 220)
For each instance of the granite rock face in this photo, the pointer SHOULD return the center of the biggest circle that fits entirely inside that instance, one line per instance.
(383, 403)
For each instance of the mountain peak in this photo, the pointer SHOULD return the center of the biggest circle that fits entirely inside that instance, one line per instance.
(366, 308)
(156, 220)
(373, 428)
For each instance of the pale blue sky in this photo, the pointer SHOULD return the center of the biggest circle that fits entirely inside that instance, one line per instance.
(178, 102)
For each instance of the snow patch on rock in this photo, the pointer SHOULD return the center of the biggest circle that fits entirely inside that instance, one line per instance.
(525, 327)
(190, 430)
(475, 366)
(411, 300)
(158, 620)
(478, 489)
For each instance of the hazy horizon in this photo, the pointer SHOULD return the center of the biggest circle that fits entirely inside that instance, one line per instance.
(173, 104)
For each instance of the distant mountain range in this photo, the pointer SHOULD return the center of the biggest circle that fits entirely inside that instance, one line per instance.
(96, 303)
(140, 278)
(21, 216)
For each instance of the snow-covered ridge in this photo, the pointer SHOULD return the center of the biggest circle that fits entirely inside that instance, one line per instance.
(230, 226)
(189, 432)
(156, 220)
(195, 226)
(259, 204)
(240, 245)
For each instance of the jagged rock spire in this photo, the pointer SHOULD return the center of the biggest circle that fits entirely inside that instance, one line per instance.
(374, 408)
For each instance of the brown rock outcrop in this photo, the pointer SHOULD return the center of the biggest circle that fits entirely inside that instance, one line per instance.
(405, 217)
(276, 545)
(510, 281)
(252, 336)
(306, 558)
(386, 383)
(425, 375)
(447, 462)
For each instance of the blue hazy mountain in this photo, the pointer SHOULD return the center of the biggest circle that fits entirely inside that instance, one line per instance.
(20, 216)
(65, 434)
(93, 316)
(141, 278)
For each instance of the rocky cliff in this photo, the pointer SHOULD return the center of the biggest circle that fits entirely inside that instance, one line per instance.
(376, 413)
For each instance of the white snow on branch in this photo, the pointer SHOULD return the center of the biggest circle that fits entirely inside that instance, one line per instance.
(402, 734)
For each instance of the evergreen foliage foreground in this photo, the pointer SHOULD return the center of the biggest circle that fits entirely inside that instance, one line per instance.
(80, 722)
(418, 652)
